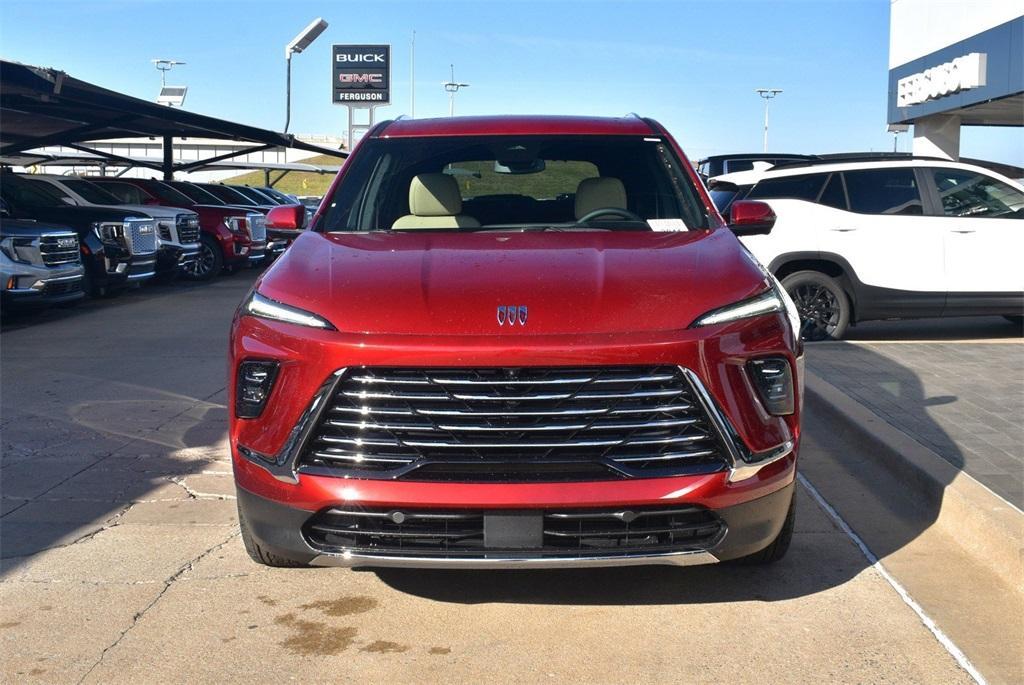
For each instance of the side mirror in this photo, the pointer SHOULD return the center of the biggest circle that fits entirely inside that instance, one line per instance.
(750, 217)
(287, 216)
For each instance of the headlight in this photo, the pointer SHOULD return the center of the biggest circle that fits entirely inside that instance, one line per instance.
(765, 303)
(17, 249)
(108, 231)
(263, 307)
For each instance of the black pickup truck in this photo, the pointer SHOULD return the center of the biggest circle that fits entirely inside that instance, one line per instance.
(118, 247)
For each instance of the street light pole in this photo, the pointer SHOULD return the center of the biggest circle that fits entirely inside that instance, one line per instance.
(767, 94)
(298, 44)
(412, 77)
(452, 87)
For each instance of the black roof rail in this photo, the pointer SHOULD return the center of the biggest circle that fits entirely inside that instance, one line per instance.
(849, 157)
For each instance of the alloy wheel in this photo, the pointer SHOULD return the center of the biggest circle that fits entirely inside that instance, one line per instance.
(819, 311)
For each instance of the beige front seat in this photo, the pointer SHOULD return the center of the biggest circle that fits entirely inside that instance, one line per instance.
(598, 193)
(435, 202)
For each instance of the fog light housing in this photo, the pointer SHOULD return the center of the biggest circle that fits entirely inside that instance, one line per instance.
(773, 379)
(253, 386)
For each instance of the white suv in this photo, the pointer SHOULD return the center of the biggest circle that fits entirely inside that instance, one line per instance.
(886, 239)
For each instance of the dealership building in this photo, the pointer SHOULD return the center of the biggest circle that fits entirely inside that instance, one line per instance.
(955, 63)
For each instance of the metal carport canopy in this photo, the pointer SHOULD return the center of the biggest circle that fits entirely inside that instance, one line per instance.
(41, 107)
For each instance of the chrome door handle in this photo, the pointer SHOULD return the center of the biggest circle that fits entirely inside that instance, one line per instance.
(964, 230)
(843, 230)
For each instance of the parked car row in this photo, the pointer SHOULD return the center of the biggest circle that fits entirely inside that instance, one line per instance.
(65, 237)
(858, 239)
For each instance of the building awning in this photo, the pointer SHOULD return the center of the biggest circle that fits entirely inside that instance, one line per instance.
(43, 107)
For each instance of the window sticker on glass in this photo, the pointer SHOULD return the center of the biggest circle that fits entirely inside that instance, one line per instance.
(666, 224)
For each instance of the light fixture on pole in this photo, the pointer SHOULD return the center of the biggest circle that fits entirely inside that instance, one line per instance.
(452, 87)
(896, 130)
(767, 94)
(172, 96)
(298, 44)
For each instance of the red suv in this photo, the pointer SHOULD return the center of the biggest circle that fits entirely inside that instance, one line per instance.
(231, 236)
(516, 342)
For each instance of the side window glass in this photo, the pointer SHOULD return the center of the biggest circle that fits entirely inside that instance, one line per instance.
(834, 195)
(884, 191)
(804, 187)
(968, 194)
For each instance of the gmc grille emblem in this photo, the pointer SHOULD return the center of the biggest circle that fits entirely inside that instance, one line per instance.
(510, 315)
(67, 242)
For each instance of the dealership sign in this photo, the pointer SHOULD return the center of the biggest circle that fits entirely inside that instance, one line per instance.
(361, 75)
(962, 73)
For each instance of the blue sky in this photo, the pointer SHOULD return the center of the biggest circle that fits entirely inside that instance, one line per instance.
(692, 65)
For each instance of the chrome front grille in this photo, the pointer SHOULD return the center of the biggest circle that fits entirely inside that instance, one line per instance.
(188, 228)
(141, 235)
(257, 224)
(59, 248)
(568, 533)
(514, 424)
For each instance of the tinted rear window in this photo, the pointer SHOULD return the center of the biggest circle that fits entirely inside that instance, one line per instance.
(883, 191)
(805, 187)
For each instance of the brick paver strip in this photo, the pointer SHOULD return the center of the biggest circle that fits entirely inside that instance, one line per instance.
(963, 401)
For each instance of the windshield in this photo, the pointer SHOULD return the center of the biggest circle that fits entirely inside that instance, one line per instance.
(277, 195)
(515, 183)
(255, 195)
(90, 192)
(195, 192)
(168, 194)
(31, 194)
(228, 195)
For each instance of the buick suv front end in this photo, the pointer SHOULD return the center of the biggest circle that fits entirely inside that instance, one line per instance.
(568, 385)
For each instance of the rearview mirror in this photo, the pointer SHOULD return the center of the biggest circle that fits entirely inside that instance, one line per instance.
(287, 216)
(519, 166)
(750, 217)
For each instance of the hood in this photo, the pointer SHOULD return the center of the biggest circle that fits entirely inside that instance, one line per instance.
(155, 211)
(572, 283)
(27, 227)
(78, 217)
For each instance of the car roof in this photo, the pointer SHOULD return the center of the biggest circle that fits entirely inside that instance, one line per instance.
(517, 125)
(750, 177)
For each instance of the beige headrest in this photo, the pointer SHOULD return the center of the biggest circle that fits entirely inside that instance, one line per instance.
(595, 193)
(434, 195)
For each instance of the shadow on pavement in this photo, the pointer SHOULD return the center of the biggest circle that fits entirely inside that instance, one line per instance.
(109, 404)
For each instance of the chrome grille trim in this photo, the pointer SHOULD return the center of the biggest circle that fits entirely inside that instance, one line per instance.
(141, 235)
(418, 423)
(53, 254)
(257, 226)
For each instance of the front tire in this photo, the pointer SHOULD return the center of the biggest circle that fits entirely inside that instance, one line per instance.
(778, 547)
(208, 263)
(260, 555)
(823, 305)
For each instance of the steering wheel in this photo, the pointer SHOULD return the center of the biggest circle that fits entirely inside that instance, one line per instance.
(608, 211)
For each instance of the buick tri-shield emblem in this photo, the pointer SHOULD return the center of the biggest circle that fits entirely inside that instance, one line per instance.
(510, 315)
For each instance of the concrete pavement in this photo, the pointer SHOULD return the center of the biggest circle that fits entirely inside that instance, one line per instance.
(121, 559)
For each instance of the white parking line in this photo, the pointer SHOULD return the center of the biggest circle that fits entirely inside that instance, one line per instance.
(966, 341)
(943, 639)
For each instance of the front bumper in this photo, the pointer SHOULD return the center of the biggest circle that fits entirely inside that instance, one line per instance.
(749, 527)
(46, 291)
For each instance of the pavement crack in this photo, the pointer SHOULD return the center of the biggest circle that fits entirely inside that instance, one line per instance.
(185, 568)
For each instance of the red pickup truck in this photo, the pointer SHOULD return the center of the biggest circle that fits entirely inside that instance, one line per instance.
(516, 342)
(231, 236)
